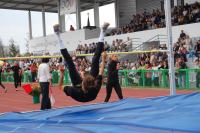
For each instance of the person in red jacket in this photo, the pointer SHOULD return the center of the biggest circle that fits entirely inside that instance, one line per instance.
(33, 69)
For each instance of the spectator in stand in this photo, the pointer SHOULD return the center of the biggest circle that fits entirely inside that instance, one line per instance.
(197, 66)
(107, 47)
(148, 81)
(163, 47)
(155, 74)
(180, 64)
(72, 28)
(33, 69)
(182, 35)
(86, 49)
(197, 49)
(163, 65)
(188, 43)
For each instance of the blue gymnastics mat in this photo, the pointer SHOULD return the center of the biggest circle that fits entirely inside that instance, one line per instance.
(177, 114)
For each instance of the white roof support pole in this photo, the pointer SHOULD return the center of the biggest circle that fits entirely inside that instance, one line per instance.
(62, 23)
(78, 14)
(175, 2)
(43, 22)
(117, 13)
(30, 25)
(170, 47)
(96, 14)
(61, 19)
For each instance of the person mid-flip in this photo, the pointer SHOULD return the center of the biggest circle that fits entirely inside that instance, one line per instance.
(87, 87)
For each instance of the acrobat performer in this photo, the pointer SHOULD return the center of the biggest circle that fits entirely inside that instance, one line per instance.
(83, 89)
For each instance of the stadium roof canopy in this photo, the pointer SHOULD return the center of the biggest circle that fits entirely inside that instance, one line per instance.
(49, 5)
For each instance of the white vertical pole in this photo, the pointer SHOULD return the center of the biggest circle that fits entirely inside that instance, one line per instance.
(43, 22)
(96, 13)
(30, 25)
(78, 15)
(62, 23)
(170, 48)
(117, 13)
(61, 19)
(58, 3)
(175, 2)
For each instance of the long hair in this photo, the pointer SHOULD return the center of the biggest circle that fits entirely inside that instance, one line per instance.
(88, 82)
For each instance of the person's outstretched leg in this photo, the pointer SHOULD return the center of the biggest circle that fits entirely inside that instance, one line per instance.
(16, 82)
(100, 47)
(118, 90)
(5, 90)
(73, 73)
(108, 92)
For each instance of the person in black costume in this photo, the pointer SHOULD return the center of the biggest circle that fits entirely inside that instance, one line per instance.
(16, 74)
(84, 88)
(113, 78)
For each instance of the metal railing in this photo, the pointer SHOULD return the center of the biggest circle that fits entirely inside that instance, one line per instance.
(185, 78)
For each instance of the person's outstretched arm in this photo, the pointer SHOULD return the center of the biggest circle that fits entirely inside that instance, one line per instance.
(62, 70)
(104, 55)
(101, 72)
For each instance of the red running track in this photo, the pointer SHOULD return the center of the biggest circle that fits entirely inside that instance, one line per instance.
(20, 101)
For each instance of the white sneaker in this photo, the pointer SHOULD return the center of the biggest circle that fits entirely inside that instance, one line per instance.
(57, 29)
(105, 26)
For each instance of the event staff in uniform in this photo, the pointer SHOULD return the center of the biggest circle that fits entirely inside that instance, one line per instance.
(85, 88)
(113, 78)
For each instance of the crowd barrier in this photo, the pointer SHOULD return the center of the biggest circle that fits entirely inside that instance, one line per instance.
(185, 78)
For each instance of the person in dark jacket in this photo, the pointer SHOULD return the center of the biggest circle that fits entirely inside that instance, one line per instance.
(16, 74)
(113, 78)
(87, 87)
(5, 90)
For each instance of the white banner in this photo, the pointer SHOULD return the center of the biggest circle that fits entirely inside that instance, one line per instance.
(67, 6)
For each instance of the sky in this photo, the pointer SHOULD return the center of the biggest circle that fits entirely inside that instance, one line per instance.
(14, 23)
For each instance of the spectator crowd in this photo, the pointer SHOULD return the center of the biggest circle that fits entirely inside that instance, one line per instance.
(156, 19)
(184, 49)
(117, 46)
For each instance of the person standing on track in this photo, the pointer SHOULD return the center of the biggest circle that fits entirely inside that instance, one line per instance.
(16, 74)
(113, 78)
(5, 90)
(44, 78)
